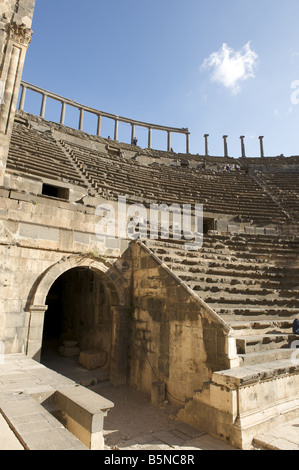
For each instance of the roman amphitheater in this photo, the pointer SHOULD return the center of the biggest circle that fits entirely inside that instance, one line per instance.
(207, 328)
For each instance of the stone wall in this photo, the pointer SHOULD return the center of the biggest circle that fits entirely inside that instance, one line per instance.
(39, 234)
(175, 338)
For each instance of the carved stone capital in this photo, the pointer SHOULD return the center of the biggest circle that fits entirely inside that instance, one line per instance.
(19, 33)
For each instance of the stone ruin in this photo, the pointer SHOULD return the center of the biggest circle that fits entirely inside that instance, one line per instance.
(210, 328)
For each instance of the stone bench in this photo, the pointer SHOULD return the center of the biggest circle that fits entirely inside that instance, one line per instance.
(34, 426)
(83, 412)
(71, 418)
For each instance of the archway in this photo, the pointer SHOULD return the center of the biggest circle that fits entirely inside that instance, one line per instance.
(78, 312)
(89, 301)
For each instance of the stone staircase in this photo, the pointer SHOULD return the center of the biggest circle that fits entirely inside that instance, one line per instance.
(284, 188)
(244, 279)
(36, 153)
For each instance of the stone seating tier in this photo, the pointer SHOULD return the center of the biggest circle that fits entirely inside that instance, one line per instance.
(109, 174)
(285, 187)
(245, 280)
(223, 193)
(37, 153)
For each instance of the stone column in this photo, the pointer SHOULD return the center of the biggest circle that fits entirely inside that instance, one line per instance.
(243, 154)
(99, 125)
(206, 145)
(18, 38)
(149, 138)
(132, 133)
(22, 100)
(168, 141)
(35, 333)
(262, 146)
(81, 119)
(225, 146)
(62, 116)
(116, 129)
(188, 143)
(43, 106)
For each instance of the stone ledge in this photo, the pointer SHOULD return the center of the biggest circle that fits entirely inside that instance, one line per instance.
(247, 375)
(34, 426)
(83, 413)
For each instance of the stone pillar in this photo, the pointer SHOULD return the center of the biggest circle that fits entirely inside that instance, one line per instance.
(43, 106)
(133, 133)
(81, 119)
(168, 141)
(149, 138)
(262, 146)
(243, 154)
(99, 125)
(225, 146)
(62, 116)
(206, 145)
(35, 333)
(188, 143)
(116, 129)
(23, 96)
(15, 37)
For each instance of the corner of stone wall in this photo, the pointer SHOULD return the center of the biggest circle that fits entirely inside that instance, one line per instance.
(176, 339)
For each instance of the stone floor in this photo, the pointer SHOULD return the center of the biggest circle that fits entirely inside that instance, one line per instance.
(134, 423)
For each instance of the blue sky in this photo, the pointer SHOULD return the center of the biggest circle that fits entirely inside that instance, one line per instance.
(216, 67)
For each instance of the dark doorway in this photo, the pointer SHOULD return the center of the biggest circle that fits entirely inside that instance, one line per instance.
(78, 311)
(208, 224)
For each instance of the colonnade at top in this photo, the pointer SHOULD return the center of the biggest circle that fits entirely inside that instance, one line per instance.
(101, 114)
(117, 119)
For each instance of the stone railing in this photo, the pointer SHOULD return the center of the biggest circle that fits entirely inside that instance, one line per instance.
(100, 114)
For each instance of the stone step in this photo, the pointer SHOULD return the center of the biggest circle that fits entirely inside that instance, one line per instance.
(282, 437)
(242, 301)
(255, 343)
(261, 327)
(260, 357)
(224, 262)
(255, 313)
(250, 374)
(233, 282)
(232, 290)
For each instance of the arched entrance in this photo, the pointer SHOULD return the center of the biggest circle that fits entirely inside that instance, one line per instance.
(85, 300)
(78, 311)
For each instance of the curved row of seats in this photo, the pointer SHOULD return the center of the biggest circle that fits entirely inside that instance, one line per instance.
(226, 193)
(37, 153)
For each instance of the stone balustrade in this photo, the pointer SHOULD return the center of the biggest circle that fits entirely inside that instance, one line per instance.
(100, 114)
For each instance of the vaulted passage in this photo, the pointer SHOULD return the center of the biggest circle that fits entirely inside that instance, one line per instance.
(78, 310)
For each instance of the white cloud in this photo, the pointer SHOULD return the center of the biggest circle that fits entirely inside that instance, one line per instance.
(230, 67)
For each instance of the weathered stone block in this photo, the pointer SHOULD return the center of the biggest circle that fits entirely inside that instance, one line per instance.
(92, 359)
